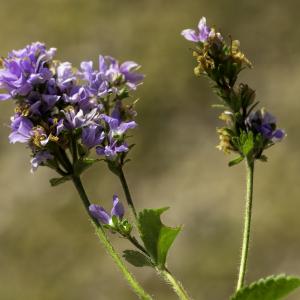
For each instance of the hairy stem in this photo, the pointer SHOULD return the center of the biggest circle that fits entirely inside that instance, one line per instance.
(247, 225)
(165, 274)
(176, 285)
(108, 246)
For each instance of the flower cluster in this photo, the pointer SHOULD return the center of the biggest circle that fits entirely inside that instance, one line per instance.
(63, 112)
(247, 132)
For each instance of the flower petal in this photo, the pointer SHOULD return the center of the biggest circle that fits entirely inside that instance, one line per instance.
(118, 208)
(99, 213)
(190, 35)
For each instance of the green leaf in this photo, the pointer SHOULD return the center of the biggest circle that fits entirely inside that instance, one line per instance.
(247, 143)
(157, 237)
(235, 161)
(270, 288)
(115, 221)
(137, 258)
(58, 181)
(82, 164)
(263, 158)
(114, 166)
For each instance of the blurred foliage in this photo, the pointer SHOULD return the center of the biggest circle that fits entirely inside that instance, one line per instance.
(47, 247)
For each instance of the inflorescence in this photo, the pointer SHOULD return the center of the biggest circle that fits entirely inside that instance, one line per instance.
(63, 112)
(247, 132)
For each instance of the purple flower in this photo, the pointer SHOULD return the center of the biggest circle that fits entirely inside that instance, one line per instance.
(53, 99)
(23, 69)
(41, 103)
(99, 213)
(65, 76)
(263, 122)
(98, 86)
(92, 135)
(112, 150)
(124, 73)
(77, 119)
(116, 125)
(117, 130)
(39, 158)
(110, 76)
(201, 35)
(81, 96)
(72, 119)
(21, 129)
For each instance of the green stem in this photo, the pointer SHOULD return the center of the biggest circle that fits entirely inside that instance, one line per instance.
(127, 192)
(176, 285)
(247, 225)
(62, 161)
(166, 274)
(74, 149)
(108, 246)
(136, 243)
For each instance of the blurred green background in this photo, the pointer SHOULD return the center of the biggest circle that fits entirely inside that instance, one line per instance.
(47, 247)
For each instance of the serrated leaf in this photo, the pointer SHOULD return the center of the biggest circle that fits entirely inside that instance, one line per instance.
(137, 258)
(60, 180)
(157, 237)
(235, 161)
(270, 288)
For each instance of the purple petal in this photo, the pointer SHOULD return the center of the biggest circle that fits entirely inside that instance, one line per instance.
(279, 134)
(21, 130)
(102, 64)
(204, 30)
(25, 89)
(116, 112)
(92, 136)
(99, 213)
(202, 23)
(87, 66)
(112, 122)
(60, 126)
(118, 208)
(128, 65)
(190, 35)
(110, 152)
(266, 131)
(4, 97)
(100, 150)
(38, 159)
(125, 126)
(15, 137)
(50, 100)
(134, 77)
(122, 148)
(267, 118)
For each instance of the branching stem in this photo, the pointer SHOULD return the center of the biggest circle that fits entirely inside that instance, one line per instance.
(140, 292)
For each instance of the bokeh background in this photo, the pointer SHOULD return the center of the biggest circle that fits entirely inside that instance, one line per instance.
(47, 247)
